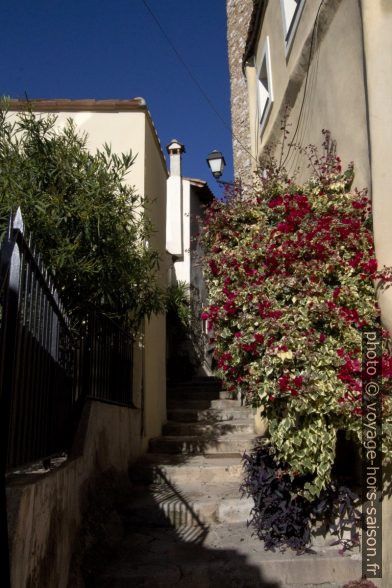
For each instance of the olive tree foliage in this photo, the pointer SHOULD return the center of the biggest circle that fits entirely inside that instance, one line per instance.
(90, 227)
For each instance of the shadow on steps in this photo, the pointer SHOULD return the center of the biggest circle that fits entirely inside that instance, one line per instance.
(166, 542)
(166, 549)
(203, 419)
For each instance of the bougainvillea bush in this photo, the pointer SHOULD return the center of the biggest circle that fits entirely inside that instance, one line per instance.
(291, 272)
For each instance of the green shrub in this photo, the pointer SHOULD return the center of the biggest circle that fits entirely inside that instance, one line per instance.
(88, 224)
(290, 272)
(178, 307)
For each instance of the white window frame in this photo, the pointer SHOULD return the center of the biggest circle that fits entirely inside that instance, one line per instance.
(264, 103)
(290, 28)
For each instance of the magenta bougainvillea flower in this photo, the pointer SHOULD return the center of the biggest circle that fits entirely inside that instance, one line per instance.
(290, 272)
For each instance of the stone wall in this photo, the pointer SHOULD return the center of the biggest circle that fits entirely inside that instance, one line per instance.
(46, 510)
(238, 17)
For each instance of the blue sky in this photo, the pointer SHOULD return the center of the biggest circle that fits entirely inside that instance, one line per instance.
(114, 49)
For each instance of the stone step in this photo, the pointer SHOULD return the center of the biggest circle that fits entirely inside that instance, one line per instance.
(212, 443)
(323, 539)
(165, 505)
(206, 381)
(202, 403)
(212, 415)
(199, 392)
(190, 505)
(177, 469)
(223, 556)
(202, 428)
(197, 403)
(225, 403)
(194, 389)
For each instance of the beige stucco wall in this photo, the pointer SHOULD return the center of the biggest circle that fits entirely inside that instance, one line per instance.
(134, 131)
(47, 509)
(335, 92)
(377, 27)
(122, 130)
(155, 176)
(148, 175)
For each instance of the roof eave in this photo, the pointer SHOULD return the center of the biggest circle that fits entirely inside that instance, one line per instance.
(203, 189)
(89, 105)
(69, 105)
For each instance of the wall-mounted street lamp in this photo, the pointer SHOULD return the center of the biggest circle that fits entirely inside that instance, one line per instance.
(216, 162)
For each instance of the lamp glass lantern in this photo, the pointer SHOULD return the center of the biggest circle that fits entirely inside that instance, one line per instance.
(216, 163)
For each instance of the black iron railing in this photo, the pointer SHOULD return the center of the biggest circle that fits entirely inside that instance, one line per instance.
(36, 362)
(37, 355)
(107, 361)
(45, 371)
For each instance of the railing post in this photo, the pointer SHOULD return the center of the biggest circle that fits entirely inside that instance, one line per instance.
(86, 363)
(54, 335)
(8, 339)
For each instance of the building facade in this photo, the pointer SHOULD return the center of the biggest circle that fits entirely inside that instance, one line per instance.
(314, 65)
(110, 437)
(238, 18)
(318, 65)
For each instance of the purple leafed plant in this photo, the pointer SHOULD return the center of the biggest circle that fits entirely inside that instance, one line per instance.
(282, 517)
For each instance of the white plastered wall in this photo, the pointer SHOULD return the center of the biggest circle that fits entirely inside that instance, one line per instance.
(183, 266)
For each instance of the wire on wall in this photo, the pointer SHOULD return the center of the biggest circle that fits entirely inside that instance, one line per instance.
(314, 33)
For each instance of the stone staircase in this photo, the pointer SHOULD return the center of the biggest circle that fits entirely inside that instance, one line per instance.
(186, 521)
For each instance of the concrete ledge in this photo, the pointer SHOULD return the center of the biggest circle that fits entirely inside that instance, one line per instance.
(46, 509)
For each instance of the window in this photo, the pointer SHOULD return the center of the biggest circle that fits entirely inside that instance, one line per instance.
(264, 83)
(291, 10)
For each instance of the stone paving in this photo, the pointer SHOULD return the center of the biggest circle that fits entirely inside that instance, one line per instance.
(185, 522)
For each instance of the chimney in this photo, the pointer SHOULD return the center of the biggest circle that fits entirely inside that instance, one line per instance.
(175, 149)
(174, 203)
